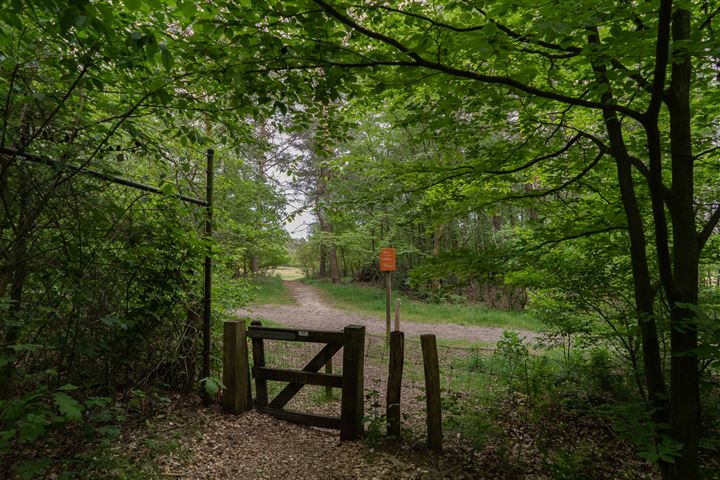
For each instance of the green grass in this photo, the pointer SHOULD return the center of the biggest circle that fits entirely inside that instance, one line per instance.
(288, 273)
(271, 291)
(372, 300)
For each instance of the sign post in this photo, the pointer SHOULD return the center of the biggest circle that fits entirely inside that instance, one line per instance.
(387, 265)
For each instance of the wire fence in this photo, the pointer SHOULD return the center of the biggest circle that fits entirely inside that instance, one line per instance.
(473, 382)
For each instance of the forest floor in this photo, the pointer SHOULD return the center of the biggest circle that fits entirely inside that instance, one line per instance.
(514, 442)
(312, 310)
(210, 444)
(255, 446)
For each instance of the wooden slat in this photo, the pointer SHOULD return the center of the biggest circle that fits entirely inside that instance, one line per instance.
(432, 392)
(298, 376)
(321, 421)
(295, 335)
(261, 394)
(328, 369)
(313, 365)
(235, 368)
(352, 406)
(394, 385)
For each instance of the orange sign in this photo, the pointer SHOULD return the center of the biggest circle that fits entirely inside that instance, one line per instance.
(387, 260)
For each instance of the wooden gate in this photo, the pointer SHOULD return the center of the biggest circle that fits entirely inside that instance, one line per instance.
(351, 340)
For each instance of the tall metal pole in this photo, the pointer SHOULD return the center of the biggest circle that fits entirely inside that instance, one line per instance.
(207, 295)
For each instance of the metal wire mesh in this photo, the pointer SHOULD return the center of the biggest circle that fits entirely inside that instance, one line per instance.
(473, 381)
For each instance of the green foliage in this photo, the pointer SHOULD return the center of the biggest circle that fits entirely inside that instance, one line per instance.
(371, 299)
(212, 385)
(271, 291)
(375, 420)
(493, 180)
(307, 257)
(633, 422)
(100, 283)
(44, 413)
(512, 346)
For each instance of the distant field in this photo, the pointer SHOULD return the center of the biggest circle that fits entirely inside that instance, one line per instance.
(271, 291)
(287, 273)
(372, 300)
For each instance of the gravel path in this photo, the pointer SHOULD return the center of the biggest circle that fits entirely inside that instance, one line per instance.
(313, 312)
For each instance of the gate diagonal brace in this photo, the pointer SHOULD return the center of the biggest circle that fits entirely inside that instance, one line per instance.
(287, 393)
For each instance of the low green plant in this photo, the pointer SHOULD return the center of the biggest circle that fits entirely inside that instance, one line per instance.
(569, 463)
(375, 420)
(43, 412)
(212, 385)
(632, 421)
(511, 345)
(461, 415)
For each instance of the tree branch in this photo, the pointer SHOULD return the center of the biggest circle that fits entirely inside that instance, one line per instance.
(706, 152)
(639, 79)
(525, 38)
(578, 235)
(562, 186)
(11, 86)
(708, 229)
(493, 79)
(430, 20)
(538, 159)
(662, 53)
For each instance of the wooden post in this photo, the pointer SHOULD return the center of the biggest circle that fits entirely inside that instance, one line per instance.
(258, 347)
(235, 367)
(207, 295)
(397, 315)
(432, 392)
(353, 383)
(388, 298)
(397, 348)
(329, 369)
(249, 377)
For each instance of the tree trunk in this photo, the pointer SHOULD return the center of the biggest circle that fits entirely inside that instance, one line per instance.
(322, 271)
(330, 249)
(16, 271)
(344, 262)
(255, 265)
(644, 293)
(683, 293)
(437, 237)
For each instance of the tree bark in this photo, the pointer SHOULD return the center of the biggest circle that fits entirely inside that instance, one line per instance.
(644, 294)
(330, 249)
(16, 271)
(322, 270)
(255, 265)
(683, 292)
(437, 237)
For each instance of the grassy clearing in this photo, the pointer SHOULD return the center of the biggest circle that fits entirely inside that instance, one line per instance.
(372, 300)
(271, 291)
(288, 273)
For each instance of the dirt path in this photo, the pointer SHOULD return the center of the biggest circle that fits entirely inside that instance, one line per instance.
(258, 447)
(313, 312)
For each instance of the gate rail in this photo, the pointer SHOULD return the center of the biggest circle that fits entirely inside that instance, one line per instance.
(351, 340)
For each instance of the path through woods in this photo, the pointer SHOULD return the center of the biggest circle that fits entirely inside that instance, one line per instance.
(312, 311)
(258, 447)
